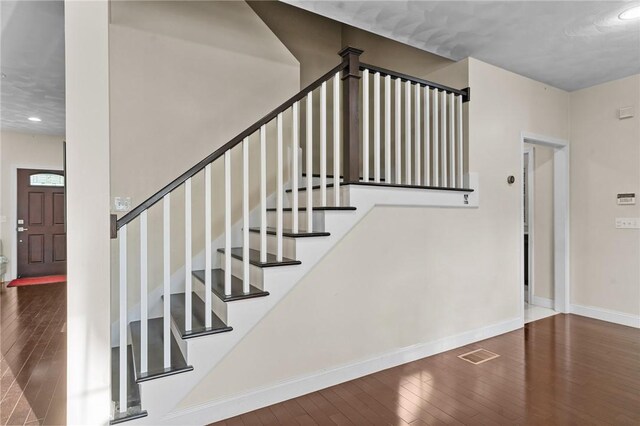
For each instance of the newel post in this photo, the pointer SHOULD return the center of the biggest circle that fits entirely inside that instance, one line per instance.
(351, 114)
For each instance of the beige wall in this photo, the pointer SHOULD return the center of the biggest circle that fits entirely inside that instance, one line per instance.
(605, 159)
(390, 54)
(187, 77)
(543, 248)
(21, 150)
(315, 41)
(415, 274)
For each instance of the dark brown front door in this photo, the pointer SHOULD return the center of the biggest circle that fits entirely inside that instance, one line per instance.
(42, 241)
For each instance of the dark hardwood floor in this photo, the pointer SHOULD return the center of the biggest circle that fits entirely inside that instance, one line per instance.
(562, 370)
(33, 364)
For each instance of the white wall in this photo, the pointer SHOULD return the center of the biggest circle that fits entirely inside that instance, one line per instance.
(605, 160)
(25, 151)
(88, 283)
(409, 276)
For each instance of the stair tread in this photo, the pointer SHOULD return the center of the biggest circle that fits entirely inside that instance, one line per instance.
(133, 392)
(155, 352)
(330, 176)
(304, 187)
(217, 286)
(325, 208)
(254, 258)
(382, 183)
(286, 232)
(127, 416)
(198, 317)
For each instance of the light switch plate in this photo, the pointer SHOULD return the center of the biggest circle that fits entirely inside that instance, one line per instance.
(628, 222)
(122, 204)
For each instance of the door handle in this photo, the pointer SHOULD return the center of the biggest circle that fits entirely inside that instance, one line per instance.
(21, 229)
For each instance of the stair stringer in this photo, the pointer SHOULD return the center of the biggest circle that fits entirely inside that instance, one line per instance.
(161, 398)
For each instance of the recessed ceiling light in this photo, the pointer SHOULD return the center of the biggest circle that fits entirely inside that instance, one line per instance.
(633, 13)
(36, 119)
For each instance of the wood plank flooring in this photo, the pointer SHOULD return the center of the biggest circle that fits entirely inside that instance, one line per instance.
(33, 363)
(562, 370)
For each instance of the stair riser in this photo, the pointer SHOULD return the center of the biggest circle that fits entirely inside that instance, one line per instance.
(181, 342)
(217, 306)
(287, 220)
(255, 272)
(288, 244)
(317, 198)
(302, 181)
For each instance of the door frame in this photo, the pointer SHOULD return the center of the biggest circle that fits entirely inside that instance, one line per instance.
(530, 151)
(561, 214)
(13, 212)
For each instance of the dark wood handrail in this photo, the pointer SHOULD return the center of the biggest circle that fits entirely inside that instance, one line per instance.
(465, 93)
(351, 66)
(226, 147)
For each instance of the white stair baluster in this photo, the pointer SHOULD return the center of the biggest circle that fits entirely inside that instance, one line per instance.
(309, 167)
(122, 351)
(323, 144)
(245, 216)
(436, 140)
(279, 190)
(336, 139)
(452, 142)
(387, 129)
(365, 125)
(427, 136)
(166, 264)
(263, 193)
(443, 133)
(295, 146)
(207, 244)
(376, 127)
(227, 223)
(398, 133)
(418, 143)
(144, 280)
(460, 121)
(187, 255)
(407, 133)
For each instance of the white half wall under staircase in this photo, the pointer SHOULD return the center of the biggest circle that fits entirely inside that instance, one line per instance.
(163, 398)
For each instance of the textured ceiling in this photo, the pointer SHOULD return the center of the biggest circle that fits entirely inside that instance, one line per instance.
(32, 63)
(566, 44)
(569, 45)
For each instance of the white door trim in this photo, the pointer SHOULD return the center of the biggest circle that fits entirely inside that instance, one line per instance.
(531, 216)
(560, 219)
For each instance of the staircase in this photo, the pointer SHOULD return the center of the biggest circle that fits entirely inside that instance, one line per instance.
(415, 157)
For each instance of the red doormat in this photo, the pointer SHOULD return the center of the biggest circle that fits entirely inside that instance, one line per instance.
(48, 279)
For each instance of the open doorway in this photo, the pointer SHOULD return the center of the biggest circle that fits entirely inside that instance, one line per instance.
(545, 227)
(33, 291)
(538, 232)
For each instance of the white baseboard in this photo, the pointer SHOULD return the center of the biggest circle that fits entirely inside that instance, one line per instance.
(607, 315)
(237, 404)
(543, 302)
